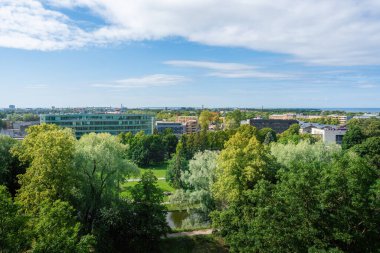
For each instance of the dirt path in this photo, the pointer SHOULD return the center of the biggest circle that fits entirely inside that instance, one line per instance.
(191, 233)
(138, 179)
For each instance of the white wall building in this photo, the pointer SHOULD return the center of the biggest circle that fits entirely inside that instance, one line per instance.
(330, 135)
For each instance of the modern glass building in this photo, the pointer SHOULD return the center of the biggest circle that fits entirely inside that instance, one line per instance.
(178, 128)
(102, 123)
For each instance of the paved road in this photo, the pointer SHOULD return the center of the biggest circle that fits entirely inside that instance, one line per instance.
(191, 233)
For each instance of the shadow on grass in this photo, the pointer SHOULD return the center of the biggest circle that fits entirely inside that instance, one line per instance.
(193, 244)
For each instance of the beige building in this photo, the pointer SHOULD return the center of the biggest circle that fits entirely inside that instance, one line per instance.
(300, 116)
(283, 116)
(190, 122)
(341, 118)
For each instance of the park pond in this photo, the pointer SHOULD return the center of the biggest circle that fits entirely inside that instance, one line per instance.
(175, 218)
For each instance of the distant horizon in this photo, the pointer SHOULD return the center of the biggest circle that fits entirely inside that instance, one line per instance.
(347, 109)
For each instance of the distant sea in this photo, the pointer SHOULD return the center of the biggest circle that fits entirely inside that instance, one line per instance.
(367, 110)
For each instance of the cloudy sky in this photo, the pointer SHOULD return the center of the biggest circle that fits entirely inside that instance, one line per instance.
(238, 53)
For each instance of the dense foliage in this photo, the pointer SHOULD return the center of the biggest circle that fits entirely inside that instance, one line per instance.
(10, 166)
(149, 149)
(260, 191)
(198, 180)
(69, 196)
(321, 120)
(322, 200)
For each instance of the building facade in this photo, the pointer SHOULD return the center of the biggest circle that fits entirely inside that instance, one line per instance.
(191, 123)
(277, 125)
(341, 118)
(102, 123)
(177, 127)
(17, 130)
(283, 116)
(330, 135)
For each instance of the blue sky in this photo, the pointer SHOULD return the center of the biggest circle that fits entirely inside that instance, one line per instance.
(180, 53)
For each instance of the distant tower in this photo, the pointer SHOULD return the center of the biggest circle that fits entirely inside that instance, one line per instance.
(12, 107)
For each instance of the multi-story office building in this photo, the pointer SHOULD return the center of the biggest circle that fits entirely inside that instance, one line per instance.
(102, 123)
(278, 125)
(177, 127)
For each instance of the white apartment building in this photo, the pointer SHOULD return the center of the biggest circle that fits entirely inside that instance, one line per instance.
(330, 135)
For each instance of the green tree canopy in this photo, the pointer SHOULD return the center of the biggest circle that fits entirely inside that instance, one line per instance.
(100, 168)
(353, 137)
(177, 165)
(136, 225)
(370, 149)
(233, 119)
(204, 119)
(323, 201)
(10, 166)
(49, 151)
(199, 180)
(241, 164)
(55, 230)
(14, 234)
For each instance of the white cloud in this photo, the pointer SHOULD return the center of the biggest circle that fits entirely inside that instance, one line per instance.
(229, 69)
(27, 24)
(221, 66)
(327, 32)
(156, 80)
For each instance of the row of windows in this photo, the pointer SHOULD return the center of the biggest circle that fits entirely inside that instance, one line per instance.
(120, 128)
(102, 123)
(94, 117)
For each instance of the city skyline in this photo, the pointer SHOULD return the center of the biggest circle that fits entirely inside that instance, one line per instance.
(242, 54)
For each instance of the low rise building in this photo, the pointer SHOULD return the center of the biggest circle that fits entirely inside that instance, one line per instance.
(341, 118)
(277, 125)
(306, 127)
(191, 123)
(330, 135)
(17, 130)
(178, 128)
(368, 116)
(301, 116)
(283, 116)
(102, 123)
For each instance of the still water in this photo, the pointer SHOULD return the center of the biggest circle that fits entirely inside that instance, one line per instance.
(175, 218)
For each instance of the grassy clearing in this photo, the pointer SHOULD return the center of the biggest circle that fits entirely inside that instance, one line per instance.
(162, 184)
(159, 170)
(193, 244)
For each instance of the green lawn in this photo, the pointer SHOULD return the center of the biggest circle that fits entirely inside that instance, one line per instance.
(159, 170)
(193, 244)
(162, 184)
